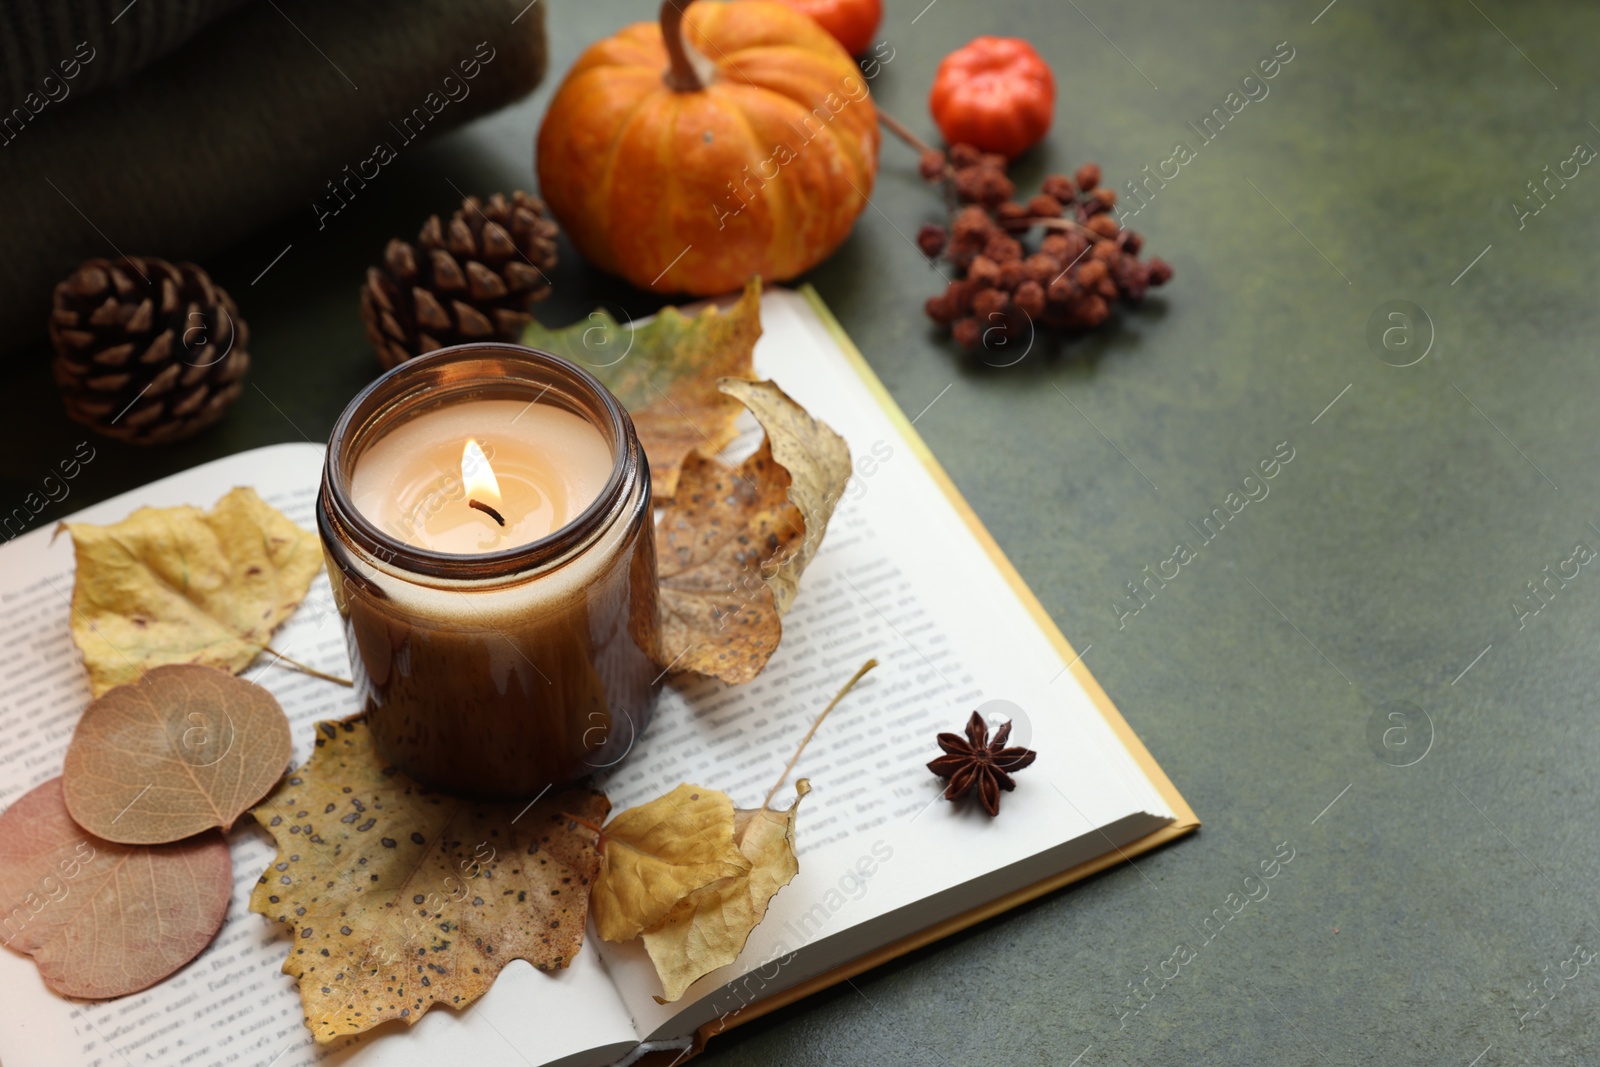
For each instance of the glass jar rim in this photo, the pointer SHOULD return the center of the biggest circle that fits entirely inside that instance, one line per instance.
(476, 370)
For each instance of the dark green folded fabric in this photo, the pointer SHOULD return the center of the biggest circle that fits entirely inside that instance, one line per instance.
(252, 118)
(43, 42)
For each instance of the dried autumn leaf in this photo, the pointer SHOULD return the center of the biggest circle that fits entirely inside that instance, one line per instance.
(717, 613)
(401, 898)
(657, 854)
(183, 749)
(665, 373)
(179, 585)
(102, 919)
(709, 928)
(818, 462)
(731, 547)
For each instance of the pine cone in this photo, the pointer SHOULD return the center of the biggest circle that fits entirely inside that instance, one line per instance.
(147, 351)
(470, 279)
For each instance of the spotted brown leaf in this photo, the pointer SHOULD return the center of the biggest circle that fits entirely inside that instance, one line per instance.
(732, 545)
(400, 898)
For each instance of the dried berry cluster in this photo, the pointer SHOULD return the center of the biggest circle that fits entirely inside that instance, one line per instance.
(1083, 263)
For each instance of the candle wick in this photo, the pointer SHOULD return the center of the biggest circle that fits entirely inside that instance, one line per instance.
(487, 510)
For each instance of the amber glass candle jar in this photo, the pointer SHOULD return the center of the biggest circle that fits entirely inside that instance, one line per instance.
(503, 671)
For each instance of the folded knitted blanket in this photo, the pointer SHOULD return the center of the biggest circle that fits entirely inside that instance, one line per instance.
(246, 121)
(40, 40)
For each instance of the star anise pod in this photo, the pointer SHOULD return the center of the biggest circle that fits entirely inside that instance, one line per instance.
(976, 764)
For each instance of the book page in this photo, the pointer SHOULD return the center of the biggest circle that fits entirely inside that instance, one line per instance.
(898, 577)
(232, 1004)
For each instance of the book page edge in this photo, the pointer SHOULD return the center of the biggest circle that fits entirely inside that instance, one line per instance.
(938, 931)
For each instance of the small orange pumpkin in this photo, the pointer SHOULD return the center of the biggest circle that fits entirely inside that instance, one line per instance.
(852, 22)
(733, 139)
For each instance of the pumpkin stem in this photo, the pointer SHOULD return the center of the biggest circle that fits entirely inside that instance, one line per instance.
(683, 76)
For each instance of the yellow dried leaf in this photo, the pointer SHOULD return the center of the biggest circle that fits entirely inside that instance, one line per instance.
(708, 929)
(665, 373)
(658, 853)
(658, 856)
(183, 749)
(732, 545)
(401, 898)
(179, 585)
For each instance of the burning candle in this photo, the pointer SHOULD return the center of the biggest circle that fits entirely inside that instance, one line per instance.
(432, 482)
(486, 516)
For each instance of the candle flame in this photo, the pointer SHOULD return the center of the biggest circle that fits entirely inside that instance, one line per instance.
(477, 476)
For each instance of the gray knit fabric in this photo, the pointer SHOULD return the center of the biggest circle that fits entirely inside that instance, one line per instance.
(41, 39)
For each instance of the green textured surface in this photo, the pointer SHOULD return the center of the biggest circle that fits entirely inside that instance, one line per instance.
(1421, 905)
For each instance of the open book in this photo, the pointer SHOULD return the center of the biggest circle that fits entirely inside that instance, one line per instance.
(905, 574)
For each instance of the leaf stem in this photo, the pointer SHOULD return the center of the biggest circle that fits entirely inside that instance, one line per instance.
(585, 823)
(304, 669)
(840, 695)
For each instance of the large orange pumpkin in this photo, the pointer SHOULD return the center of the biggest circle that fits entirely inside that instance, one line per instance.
(732, 139)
